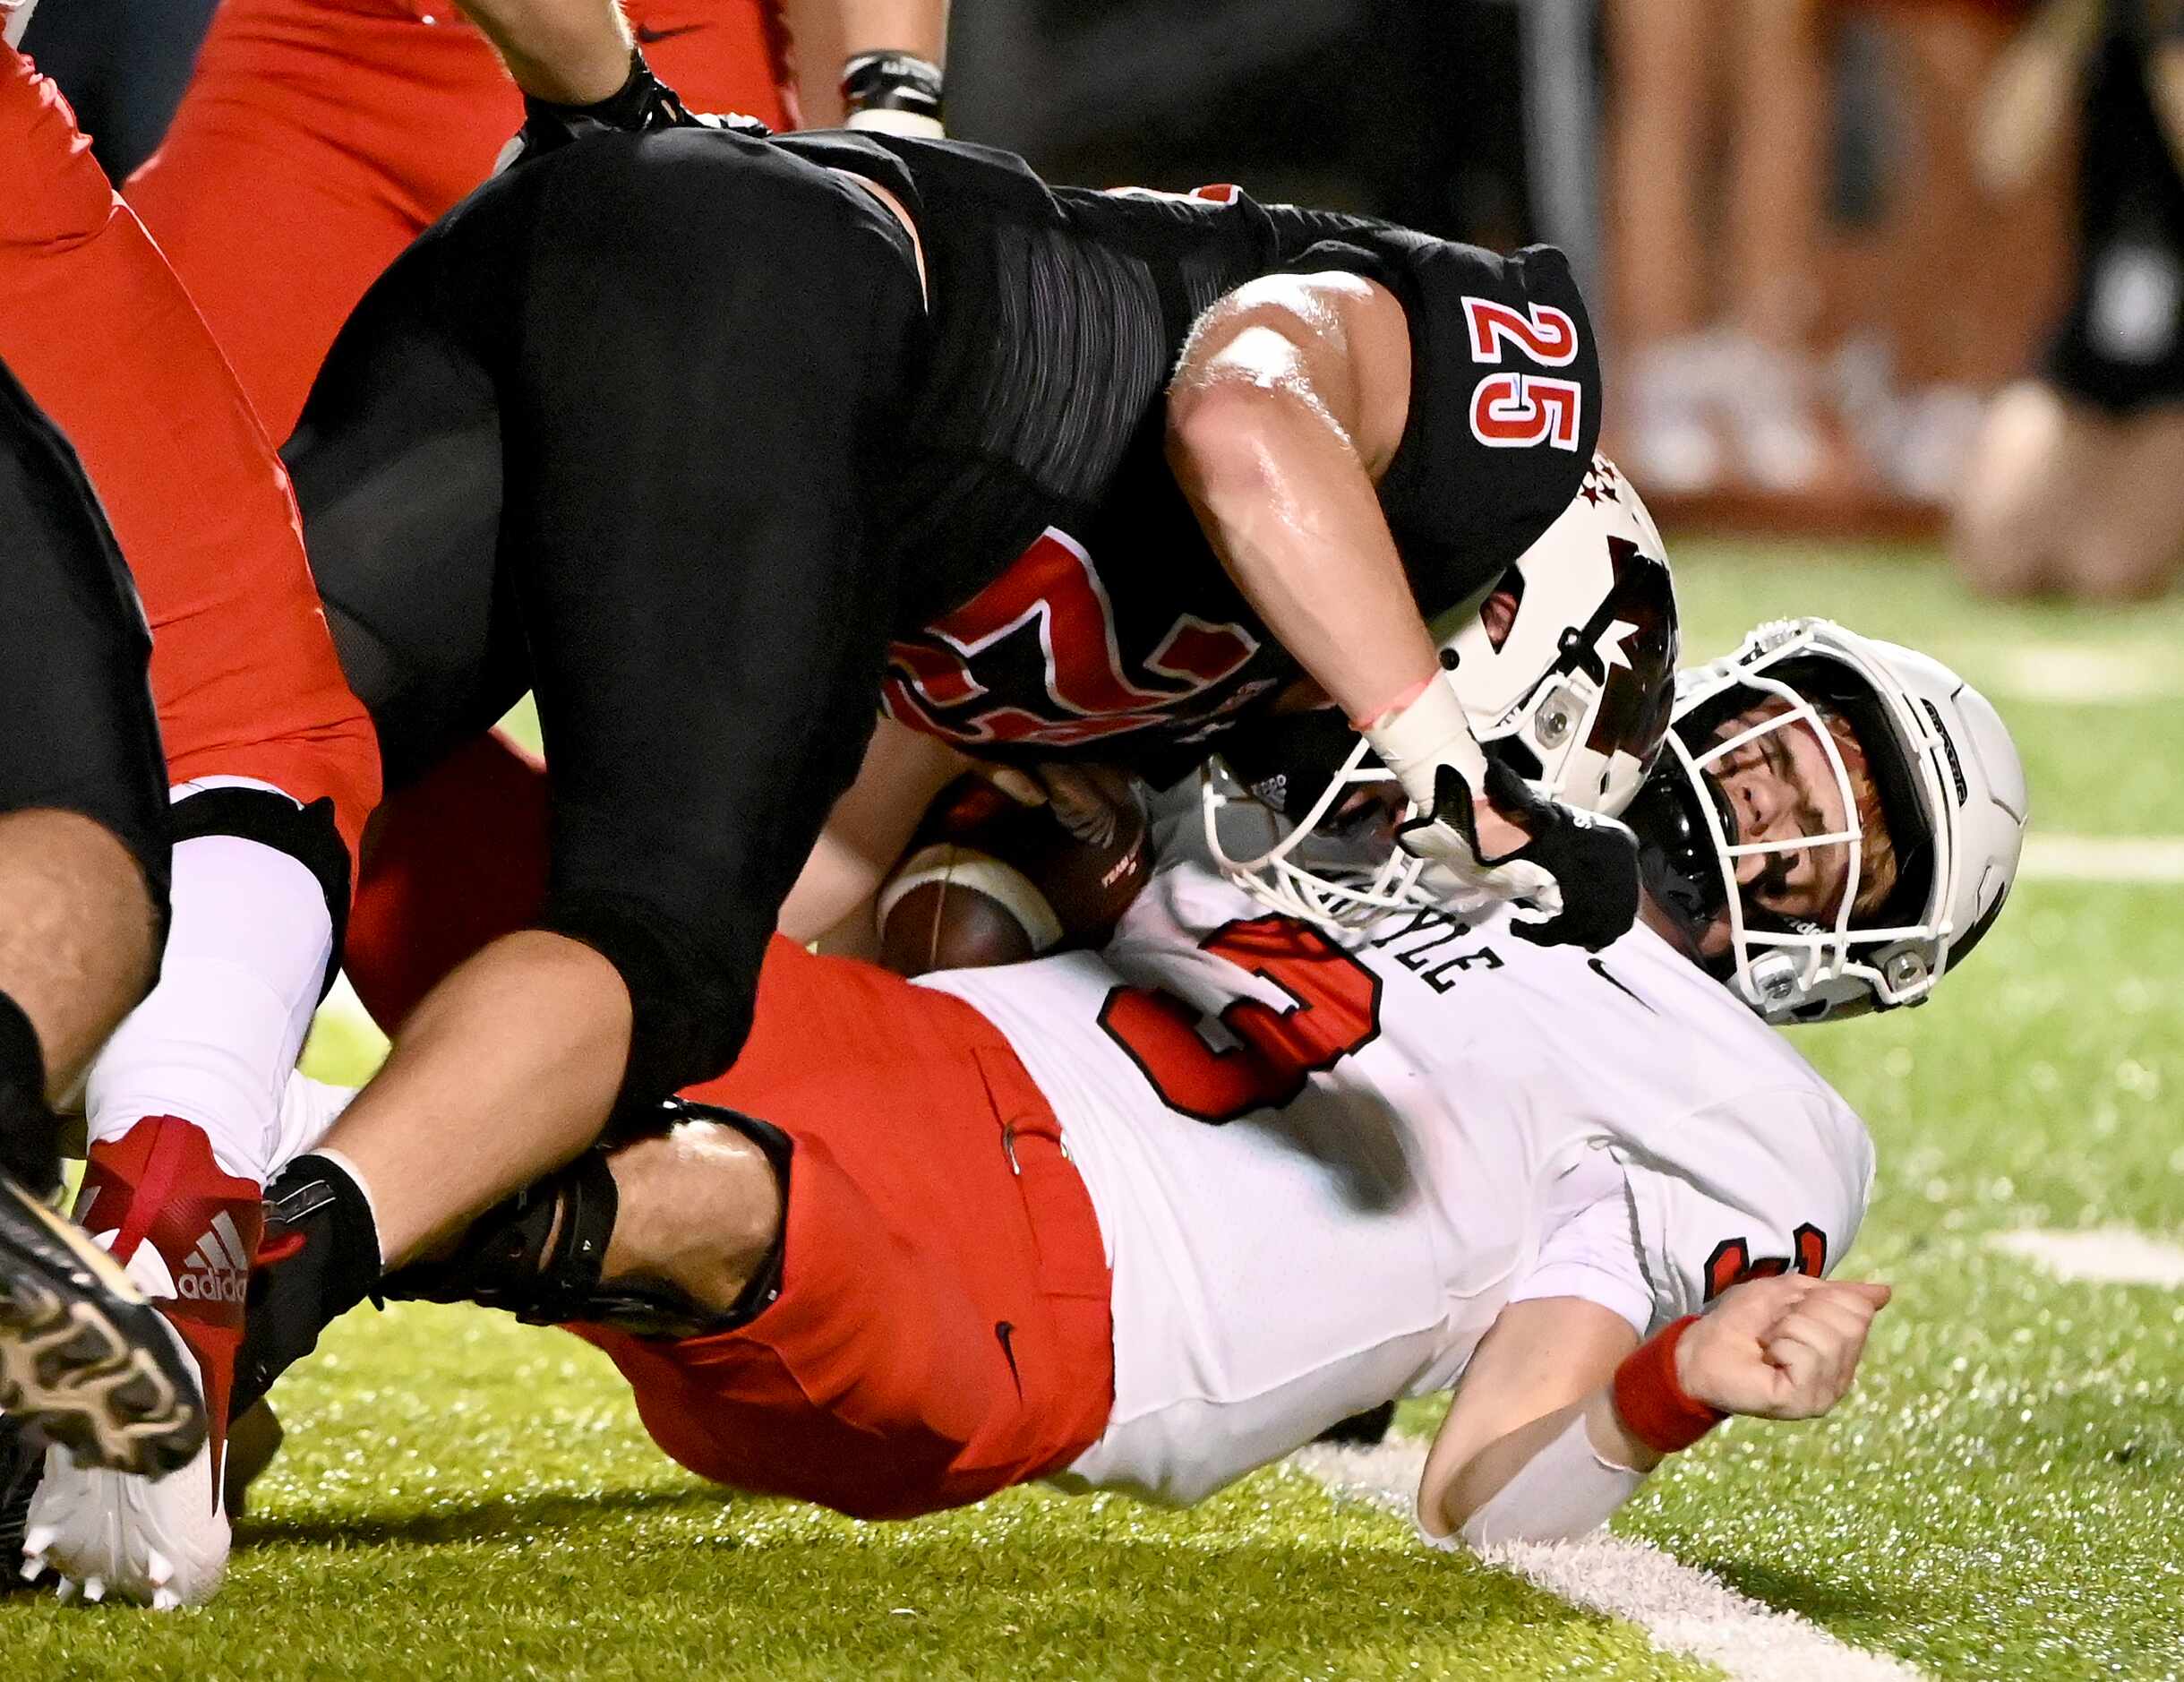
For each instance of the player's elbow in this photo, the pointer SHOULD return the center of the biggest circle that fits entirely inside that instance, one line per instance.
(1241, 430)
(1219, 434)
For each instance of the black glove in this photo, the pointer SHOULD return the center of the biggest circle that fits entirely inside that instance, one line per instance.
(641, 104)
(1578, 872)
(1593, 859)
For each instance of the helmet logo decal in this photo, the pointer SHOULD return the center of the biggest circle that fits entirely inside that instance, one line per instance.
(1948, 747)
(1610, 649)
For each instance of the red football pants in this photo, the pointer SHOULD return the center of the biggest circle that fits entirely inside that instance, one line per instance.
(943, 1329)
(319, 137)
(95, 325)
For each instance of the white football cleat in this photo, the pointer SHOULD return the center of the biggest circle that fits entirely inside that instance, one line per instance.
(184, 1233)
(115, 1535)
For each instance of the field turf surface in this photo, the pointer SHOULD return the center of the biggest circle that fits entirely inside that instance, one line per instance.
(2002, 1496)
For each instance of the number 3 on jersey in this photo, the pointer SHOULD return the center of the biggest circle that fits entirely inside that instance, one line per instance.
(1336, 1011)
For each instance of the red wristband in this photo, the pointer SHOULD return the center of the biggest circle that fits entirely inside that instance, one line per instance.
(1652, 1405)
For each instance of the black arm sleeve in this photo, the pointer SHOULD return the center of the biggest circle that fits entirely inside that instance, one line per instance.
(1504, 399)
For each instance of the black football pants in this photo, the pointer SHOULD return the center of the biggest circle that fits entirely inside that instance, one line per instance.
(77, 729)
(603, 433)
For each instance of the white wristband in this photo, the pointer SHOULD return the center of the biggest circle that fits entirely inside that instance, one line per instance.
(913, 124)
(1431, 732)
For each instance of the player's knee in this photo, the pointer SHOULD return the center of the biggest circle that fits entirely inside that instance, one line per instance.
(692, 979)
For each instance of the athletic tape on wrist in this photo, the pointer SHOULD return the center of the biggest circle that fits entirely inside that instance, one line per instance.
(1653, 1405)
(1430, 731)
(908, 123)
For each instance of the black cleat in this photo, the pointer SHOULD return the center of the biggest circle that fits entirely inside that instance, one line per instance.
(84, 1359)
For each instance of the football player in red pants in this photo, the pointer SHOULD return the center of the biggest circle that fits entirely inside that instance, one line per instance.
(1020, 1223)
(319, 137)
(272, 761)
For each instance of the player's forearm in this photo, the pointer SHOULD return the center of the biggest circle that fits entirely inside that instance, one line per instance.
(566, 51)
(918, 27)
(1547, 1482)
(829, 33)
(869, 828)
(2024, 108)
(1290, 509)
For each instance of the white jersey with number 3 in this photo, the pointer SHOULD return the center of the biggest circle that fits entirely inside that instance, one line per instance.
(1320, 1172)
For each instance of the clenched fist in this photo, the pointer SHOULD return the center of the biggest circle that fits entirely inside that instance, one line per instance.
(1785, 1348)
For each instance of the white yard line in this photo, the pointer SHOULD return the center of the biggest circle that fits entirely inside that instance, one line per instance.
(2113, 1255)
(2137, 860)
(1681, 1610)
(2076, 675)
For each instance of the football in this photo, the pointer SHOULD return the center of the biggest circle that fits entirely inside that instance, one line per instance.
(987, 880)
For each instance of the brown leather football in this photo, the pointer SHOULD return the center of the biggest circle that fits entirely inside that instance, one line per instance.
(986, 881)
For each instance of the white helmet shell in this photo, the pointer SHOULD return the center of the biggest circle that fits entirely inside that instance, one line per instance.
(1574, 689)
(1952, 794)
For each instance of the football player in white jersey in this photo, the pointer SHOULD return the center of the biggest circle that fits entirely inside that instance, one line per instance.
(1149, 1218)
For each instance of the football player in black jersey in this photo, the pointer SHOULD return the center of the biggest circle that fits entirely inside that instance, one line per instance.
(84, 857)
(712, 442)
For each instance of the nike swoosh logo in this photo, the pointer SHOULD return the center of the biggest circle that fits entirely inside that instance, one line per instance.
(1005, 1330)
(648, 36)
(1601, 970)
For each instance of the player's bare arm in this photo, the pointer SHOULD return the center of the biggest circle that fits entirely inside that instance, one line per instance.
(867, 830)
(1285, 411)
(2025, 108)
(566, 51)
(875, 64)
(1562, 1412)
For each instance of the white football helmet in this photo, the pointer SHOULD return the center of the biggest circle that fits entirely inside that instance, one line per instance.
(1566, 669)
(1952, 797)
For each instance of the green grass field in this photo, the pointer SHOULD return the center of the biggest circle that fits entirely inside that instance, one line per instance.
(2003, 1496)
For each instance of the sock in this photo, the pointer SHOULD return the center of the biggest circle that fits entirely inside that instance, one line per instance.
(215, 1040)
(320, 1259)
(28, 1133)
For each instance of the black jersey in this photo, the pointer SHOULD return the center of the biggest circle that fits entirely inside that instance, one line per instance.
(1058, 592)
